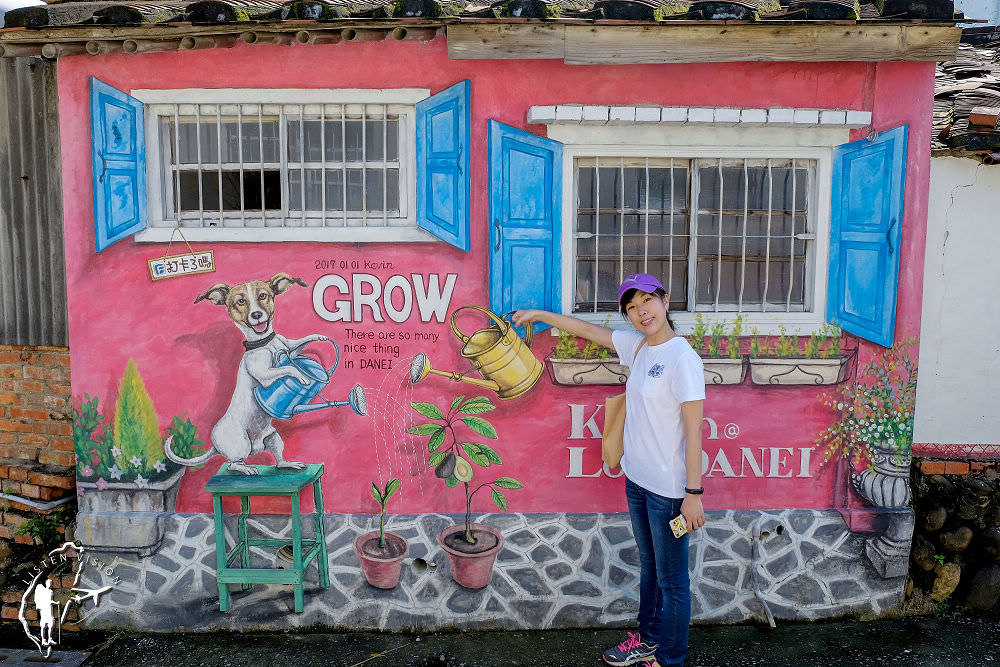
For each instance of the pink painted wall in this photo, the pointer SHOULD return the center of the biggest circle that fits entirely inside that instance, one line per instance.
(188, 354)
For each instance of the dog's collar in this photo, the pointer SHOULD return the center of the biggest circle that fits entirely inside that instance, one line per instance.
(253, 345)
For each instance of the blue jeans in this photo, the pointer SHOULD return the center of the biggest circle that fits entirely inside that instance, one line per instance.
(664, 584)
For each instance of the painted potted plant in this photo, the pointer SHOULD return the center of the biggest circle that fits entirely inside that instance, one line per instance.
(784, 362)
(381, 552)
(120, 466)
(575, 364)
(472, 548)
(875, 426)
(720, 352)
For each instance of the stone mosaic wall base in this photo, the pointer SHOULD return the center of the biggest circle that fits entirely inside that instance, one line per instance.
(556, 570)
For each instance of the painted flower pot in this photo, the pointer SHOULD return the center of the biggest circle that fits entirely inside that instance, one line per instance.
(159, 496)
(887, 482)
(724, 371)
(794, 371)
(574, 372)
(381, 566)
(471, 564)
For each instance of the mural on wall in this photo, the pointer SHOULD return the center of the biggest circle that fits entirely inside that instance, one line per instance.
(273, 380)
(873, 434)
(472, 548)
(120, 463)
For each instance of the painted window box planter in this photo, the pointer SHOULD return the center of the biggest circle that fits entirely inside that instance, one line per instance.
(573, 372)
(796, 370)
(724, 370)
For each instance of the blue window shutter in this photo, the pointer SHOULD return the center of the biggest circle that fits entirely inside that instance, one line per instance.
(443, 165)
(119, 147)
(525, 217)
(866, 227)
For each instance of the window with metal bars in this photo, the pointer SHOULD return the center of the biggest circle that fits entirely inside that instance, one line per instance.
(722, 234)
(282, 165)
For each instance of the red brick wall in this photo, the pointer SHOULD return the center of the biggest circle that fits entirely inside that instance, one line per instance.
(37, 459)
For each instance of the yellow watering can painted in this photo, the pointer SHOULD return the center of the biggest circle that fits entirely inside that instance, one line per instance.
(497, 352)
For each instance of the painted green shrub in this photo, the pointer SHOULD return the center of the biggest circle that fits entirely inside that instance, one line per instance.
(136, 431)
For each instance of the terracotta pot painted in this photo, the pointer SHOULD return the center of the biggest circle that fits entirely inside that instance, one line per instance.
(471, 570)
(381, 572)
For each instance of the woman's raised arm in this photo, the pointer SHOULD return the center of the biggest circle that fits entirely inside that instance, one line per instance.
(574, 325)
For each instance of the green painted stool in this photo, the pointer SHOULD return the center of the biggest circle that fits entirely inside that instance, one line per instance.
(271, 481)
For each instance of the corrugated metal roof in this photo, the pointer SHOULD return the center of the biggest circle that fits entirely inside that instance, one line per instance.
(32, 269)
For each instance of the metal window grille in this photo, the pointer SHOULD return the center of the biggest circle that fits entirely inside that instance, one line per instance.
(723, 235)
(281, 165)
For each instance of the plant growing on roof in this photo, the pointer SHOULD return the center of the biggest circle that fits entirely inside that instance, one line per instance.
(382, 497)
(876, 409)
(446, 457)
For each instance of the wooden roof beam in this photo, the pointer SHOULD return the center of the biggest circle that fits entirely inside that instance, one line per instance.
(627, 45)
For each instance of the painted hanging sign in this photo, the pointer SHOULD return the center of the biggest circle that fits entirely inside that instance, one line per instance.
(174, 266)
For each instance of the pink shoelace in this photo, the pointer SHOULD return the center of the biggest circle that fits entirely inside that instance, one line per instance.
(631, 642)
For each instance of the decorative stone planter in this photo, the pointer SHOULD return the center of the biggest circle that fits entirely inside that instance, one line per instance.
(574, 372)
(381, 567)
(724, 371)
(158, 496)
(471, 568)
(793, 371)
(125, 518)
(887, 482)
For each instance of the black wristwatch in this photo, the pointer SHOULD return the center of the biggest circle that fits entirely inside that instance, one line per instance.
(694, 492)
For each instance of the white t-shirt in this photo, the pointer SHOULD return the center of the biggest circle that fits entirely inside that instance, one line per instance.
(662, 377)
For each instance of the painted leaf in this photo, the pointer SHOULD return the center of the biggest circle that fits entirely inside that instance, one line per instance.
(451, 481)
(458, 399)
(436, 459)
(424, 429)
(476, 405)
(390, 489)
(508, 483)
(490, 454)
(475, 453)
(499, 500)
(481, 426)
(376, 494)
(427, 410)
(436, 440)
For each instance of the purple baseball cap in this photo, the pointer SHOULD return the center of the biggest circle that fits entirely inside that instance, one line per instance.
(641, 281)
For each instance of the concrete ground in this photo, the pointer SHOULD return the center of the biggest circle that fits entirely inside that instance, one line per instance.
(951, 638)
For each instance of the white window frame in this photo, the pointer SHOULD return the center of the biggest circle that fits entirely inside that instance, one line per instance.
(707, 141)
(401, 229)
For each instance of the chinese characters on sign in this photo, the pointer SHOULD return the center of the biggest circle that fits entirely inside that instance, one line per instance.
(182, 265)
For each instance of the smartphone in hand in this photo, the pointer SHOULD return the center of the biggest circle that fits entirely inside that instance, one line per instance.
(679, 526)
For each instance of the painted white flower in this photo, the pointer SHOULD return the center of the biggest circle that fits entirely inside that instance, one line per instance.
(115, 451)
(160, 466)
(136, 461)
(141, 482)
(115, 472)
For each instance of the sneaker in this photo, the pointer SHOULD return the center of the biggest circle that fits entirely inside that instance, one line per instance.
(630, 651)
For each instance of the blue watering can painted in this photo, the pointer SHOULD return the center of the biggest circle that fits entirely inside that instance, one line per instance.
(286, 397)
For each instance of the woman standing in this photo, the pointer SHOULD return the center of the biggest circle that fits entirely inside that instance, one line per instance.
(665, 393)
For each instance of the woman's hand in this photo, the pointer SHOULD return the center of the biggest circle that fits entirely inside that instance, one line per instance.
(520, 317)
(694, 513)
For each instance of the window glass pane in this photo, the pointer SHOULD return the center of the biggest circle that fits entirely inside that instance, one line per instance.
(586, 185)
(609, 190)
(231, 194)
(354, 142)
